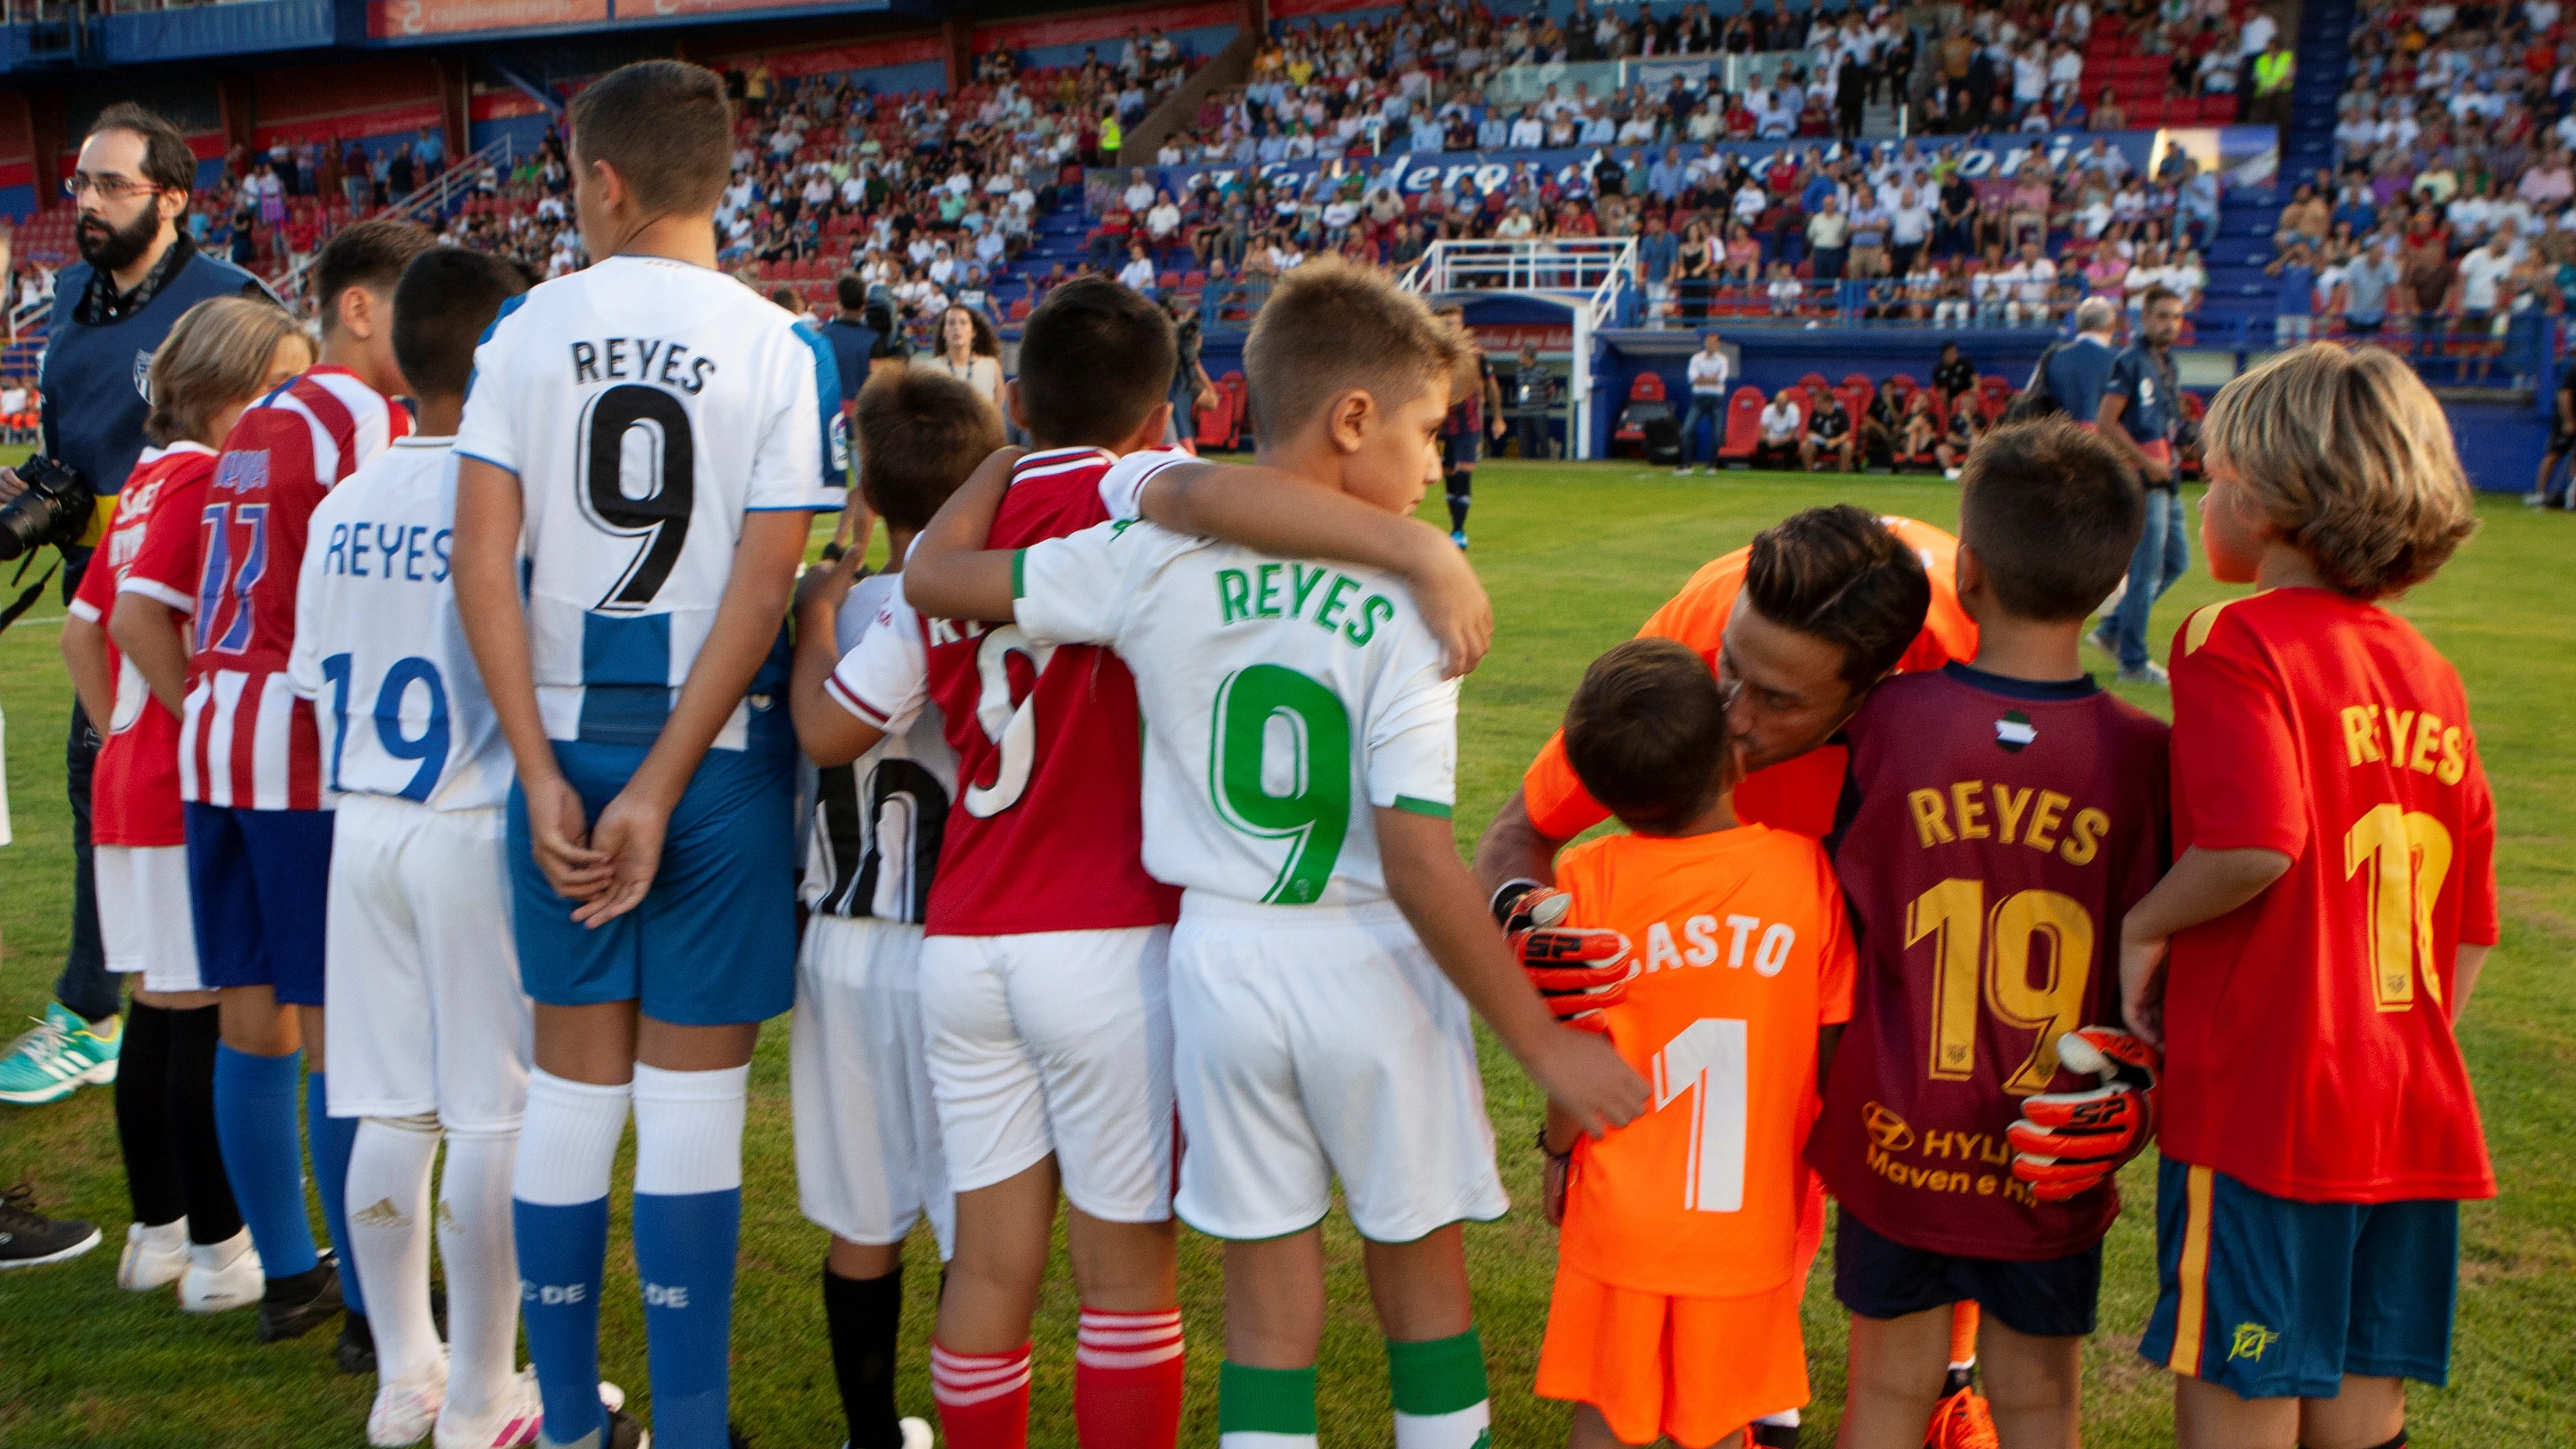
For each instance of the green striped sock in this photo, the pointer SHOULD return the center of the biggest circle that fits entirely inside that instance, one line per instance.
(1259, 1408)
(1440, 1398)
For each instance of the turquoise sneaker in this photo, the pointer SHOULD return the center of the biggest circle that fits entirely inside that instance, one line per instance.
(62, 1055)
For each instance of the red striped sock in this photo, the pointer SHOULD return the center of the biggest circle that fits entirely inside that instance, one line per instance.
(1128, 1370)
(983, 1398)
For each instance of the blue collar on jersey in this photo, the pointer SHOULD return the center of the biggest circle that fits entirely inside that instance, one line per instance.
(2080, 687)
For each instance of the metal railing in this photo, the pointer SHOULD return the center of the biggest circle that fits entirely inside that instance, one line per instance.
(1596, 273)
(435, 197)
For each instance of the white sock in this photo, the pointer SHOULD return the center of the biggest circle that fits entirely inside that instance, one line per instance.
(568, 1140)
(1786, 1419)
(688, 1129)
(215, 1257)
(476, 1242)
(388, 1196)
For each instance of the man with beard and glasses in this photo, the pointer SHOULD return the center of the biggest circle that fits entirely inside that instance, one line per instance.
(138, 272)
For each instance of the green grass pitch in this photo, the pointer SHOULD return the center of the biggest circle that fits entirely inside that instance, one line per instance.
(1575, 557)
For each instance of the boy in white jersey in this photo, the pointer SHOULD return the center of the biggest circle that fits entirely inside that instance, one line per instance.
(430, 1024)
(868, 1160)
(1300, 761)
(654, 439)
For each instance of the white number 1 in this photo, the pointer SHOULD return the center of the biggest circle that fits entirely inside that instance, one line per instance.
(1712, 1055)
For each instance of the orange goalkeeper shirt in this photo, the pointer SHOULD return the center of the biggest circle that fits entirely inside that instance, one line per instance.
(1742, 952)
(1797, 794)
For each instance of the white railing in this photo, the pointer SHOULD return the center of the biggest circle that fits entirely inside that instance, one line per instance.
(1518, 84)
(1587, 272)
(433, 197)
(1586, 276)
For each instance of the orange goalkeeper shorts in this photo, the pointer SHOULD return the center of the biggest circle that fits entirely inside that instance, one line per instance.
(1658, 1366)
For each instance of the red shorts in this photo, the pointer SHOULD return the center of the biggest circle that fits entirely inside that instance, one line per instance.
(1694, 1370)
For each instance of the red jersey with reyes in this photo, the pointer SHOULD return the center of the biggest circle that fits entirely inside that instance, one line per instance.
(134, 793)
(1995, 833)
(2309, 1050)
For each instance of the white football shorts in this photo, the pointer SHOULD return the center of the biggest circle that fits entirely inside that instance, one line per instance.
(868, 1162)
(421, 969)
(1313, 1042)
(1055, 1042)
(143, 917)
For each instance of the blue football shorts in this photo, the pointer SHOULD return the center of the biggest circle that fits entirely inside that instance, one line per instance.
(1876, 1276)
(2275, 1299)
(258, 884)
(714, 941)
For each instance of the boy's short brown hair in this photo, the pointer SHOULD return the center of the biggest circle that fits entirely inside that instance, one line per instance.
(1330, 326)
(1843, 576)
(371, 254)
(1095, 358)
(446, 299)
(2350, 457)
(217, 354)
(1646, 734)
(2054, 514)
(920, 434)
(666, 129)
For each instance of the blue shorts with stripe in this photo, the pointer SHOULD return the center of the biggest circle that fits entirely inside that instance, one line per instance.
(714, 941)
(2273, 1299)
(258, 881)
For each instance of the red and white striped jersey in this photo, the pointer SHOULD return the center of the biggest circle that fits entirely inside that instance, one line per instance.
(247, 740)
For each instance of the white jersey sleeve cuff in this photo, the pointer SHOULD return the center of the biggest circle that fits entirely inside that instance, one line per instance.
(159, 593)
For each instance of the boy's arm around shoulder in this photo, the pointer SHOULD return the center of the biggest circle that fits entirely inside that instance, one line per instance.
(1579, 1070)
(1271, 511)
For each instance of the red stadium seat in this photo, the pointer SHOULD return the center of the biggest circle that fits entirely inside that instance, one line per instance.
(1743, 424)
(1649, 387)
(1813, 383)
(1020, 310)
(1855, 400)
(1856, 379)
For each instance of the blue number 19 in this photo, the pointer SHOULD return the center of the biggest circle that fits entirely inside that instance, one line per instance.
(429, 747)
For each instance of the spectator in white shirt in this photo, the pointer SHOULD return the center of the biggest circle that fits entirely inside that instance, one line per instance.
(1778, 445)
(1528, 132)
(1139, 271)
(1140, 192)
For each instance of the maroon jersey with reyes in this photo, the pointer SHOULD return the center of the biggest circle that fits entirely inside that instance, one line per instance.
(1994, 832)
(1048, 830)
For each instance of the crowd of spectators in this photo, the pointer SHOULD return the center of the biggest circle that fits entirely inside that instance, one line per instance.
(2446, 221)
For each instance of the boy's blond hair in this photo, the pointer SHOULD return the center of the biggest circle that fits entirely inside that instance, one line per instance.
(217, 354)
(1330, 326)
(2346, 452)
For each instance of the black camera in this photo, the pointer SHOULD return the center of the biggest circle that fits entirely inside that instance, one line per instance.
(54, 511)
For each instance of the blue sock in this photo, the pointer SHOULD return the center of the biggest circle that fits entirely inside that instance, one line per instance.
(684, 1252)
(264, 1155)
(560, 1255)
(331, 1139)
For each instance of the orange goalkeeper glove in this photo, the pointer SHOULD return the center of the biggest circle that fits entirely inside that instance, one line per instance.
(1578, 970)
(2069, 1143)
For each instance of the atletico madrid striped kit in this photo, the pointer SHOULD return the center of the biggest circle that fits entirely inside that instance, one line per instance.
(250, 757)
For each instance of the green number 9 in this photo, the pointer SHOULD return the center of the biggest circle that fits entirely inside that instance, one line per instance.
(1315, 813)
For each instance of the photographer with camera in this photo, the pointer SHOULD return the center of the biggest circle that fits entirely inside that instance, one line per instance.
(138, 272)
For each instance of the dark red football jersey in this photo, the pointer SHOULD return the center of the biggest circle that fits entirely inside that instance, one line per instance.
(1047, 832)
(1994, 833)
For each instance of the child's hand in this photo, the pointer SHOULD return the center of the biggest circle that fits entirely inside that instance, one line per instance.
(629, 837)
(1585, 1079)
(559, 838)
(2142, 986)
(1453, 603)
(828, 584)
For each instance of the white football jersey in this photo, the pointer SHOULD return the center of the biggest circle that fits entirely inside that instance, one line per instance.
(1284, 701)
(646, 405)
(878, 820)
(379, 648)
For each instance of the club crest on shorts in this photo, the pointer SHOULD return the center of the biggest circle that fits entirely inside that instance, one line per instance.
(2013, 731)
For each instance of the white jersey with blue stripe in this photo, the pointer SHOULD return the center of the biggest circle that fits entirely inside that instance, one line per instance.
(379, 648)
(646, 405)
